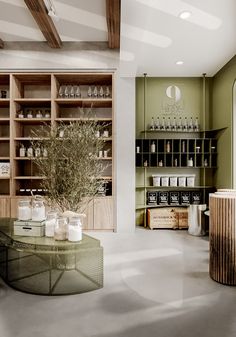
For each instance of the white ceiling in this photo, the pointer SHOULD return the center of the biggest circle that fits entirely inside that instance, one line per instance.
(153, 37)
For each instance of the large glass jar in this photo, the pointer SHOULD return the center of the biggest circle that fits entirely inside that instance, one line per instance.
(24, 210)
(75, 229)
(50, 223)
(38, 210)
(61, 229)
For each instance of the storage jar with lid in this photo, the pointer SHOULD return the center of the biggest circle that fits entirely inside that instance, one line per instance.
(38, 210)
(24, 210)
(75, 229)
(61, 229)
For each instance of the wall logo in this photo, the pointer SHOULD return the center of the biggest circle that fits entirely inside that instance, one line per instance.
(173, 92)
(172, 101)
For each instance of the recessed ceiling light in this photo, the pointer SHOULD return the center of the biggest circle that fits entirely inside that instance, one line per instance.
(179, 63)
(185, 15)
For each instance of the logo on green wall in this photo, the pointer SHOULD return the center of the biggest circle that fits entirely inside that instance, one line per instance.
(172, 102)
(173, 92)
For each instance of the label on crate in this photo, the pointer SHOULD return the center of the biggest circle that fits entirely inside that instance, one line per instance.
(163, 198)
(185, 198)
(196, 197)
(174, 198)
(151, 198)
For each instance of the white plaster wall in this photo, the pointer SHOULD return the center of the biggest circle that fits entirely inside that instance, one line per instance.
(32, 56)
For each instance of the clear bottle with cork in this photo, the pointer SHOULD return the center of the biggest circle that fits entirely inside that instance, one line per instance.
(152, 125)
(168, 124)
(179, 125)
(22, 151)
(163, 124)
(158, 126)
(196, 125)
(190, 125)
(168, 146)
(185, 124)
(153, 147)
(173, 126)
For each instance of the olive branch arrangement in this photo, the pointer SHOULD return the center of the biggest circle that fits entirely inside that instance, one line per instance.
(69, 164)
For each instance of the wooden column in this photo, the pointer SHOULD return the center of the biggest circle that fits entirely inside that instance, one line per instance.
(223, 238)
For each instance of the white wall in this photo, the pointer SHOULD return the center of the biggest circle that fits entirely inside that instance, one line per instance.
(33, 56)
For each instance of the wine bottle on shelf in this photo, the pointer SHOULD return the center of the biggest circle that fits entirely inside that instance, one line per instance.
(196, 125)
(168, 124)
(89, 93)
(190, 125)
(183, 146)
(179, 125)
(22, 151)
(95, 92)
(30, 152)
(152, 126)
(158, 126)
(185, 124)
(153, 147)
(173, 126)
(37, 152)
(168, 146)
(163, 124)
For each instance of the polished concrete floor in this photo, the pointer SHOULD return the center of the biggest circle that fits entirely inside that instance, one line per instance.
(156, 284)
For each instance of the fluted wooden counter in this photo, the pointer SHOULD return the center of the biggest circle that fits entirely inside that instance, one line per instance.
(223, 238)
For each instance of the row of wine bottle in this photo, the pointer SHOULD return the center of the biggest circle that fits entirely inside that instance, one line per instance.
(174, 124)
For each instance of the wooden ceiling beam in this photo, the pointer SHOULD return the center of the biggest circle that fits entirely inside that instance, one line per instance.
(113, 9)
(40, 13)
(1, 44)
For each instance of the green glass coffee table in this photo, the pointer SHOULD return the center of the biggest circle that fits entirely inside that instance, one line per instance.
(41, 265)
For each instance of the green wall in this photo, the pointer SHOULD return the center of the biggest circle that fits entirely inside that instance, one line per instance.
(222, 107)
(190, 104)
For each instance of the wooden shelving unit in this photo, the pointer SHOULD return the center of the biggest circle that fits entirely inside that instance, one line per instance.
(39, 92)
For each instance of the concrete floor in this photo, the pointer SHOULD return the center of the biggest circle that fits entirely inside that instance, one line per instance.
(156, 284)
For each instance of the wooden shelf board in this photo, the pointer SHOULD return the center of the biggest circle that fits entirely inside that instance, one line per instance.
(32, 120)
(29, 138)
(83, 119)
(4, 158)
(107, 158)
(4, 120)
(4, 138)
(174, 187)
(182, 131)
(176, 167)
(33, 101)
(33, 78)
(4, 102)
(4, 178)
(28, 178)
(139, 207)
(85, 102)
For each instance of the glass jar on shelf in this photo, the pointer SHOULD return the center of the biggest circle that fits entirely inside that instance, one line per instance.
(24, 210)
(75, 229)
(50, 223)
(38, 210)
(39, 114)
(61, 229)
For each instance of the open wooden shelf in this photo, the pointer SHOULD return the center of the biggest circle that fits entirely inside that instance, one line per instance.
(39, 91)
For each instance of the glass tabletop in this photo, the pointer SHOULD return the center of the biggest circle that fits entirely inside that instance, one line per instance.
(41, 244)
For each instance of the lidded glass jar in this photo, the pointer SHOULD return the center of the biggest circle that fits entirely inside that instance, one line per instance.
(38, 210)
(61, 229)
(24, 210)
(75, 229)
(50, 223)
